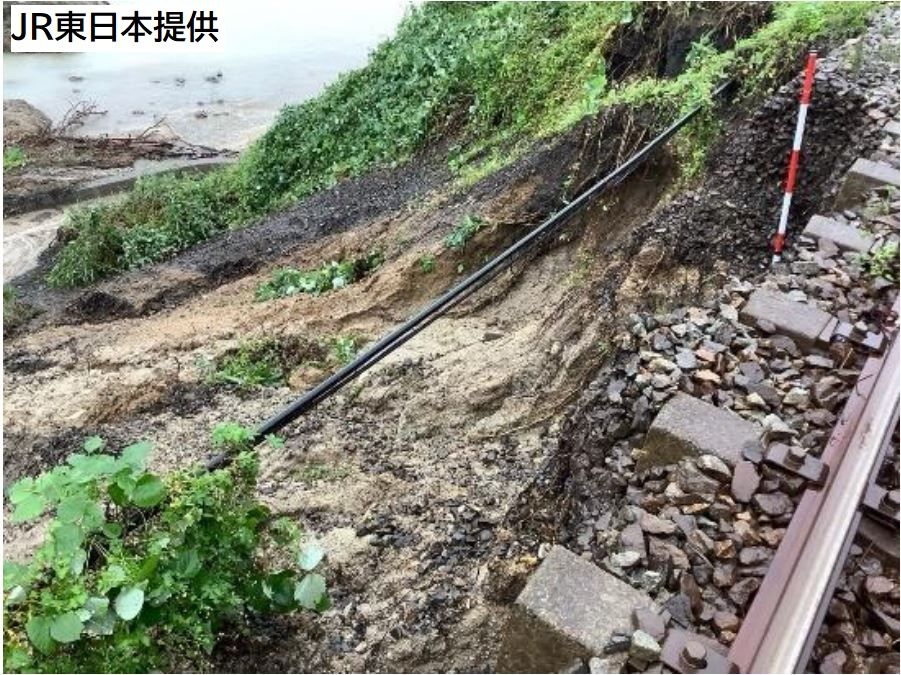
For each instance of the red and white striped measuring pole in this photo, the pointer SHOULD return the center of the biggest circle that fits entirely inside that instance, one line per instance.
(806, 90)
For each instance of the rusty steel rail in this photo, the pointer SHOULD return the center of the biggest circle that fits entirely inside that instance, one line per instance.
(781, 625)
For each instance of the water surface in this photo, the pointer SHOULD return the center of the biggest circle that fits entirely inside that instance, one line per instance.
(274, 53)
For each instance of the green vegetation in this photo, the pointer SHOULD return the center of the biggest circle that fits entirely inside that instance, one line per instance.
(344, 348)
(13, 158)
(493, 76)
(289, 281)
(883, 262)
(256, 363)
(15, 312)
(427, 263)
(139, 572)
(465, 230)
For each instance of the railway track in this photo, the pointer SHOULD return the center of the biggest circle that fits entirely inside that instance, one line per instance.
(781, 625)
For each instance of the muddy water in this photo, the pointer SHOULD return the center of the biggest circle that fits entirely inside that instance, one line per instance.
(274, 53)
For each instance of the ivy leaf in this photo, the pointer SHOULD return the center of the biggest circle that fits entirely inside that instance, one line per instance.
(96, 605)
(112, 530)
(93, 444)
(76, 565)
(149, 491)
(72, 508)
(14, 574)
(129, 602)
(67, 538)
(38, 630)
(29, 508)
(310, 590)
(310, 556)
(103, 624)
(66, 627)
(21, 489)
(135, 455)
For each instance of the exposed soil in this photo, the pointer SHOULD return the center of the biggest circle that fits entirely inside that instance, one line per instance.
(414, 475)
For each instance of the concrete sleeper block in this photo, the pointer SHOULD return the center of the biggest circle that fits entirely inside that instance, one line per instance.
(687, 426)
(568, 610)
(802, 322)
(846, 237)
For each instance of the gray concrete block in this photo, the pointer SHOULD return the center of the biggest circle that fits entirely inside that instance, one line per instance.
(568, 610)
(802, 322)
(687, 426)
(846, 237)
(865, 175)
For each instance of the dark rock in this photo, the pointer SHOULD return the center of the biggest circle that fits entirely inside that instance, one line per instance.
(679, 607)
(773, 504)
(741, 592)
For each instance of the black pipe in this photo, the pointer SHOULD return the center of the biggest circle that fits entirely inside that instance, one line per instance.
(473, 282)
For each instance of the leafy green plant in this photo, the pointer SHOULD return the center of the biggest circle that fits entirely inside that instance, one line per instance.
(344, 348)
(256, 363)
(465, 230)
(289, 281)
(141, 572)
(13, 158)
(427, 263)
(883, 262)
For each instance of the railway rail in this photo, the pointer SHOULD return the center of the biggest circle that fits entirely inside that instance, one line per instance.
(780, 627)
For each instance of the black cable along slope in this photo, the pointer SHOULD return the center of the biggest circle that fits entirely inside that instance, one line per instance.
(473, 282)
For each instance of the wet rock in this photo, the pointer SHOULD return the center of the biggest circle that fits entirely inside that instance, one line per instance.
(724, 575)
(834, 662)
(618, 642)
(686, 360)
(714, 467)
(692, 481)
(797, 398)
(644, 647)
(745, 481)
(625, 559)
(632, 539)
(773, 504)
(654, 525)
(879, 586)
(726, 621)
(741, 592)
(679, 607)
(754, 555)
(650, 622)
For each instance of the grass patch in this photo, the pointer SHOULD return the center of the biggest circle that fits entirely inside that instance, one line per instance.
(255, 364)
(494, 76)
(13, 158)
(289, 281)
(344, 348)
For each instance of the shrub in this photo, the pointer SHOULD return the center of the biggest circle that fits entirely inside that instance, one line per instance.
(13, 158)
(465, 230)
(256, 363)
(883, 262)
(140, 572)
(289, 281)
